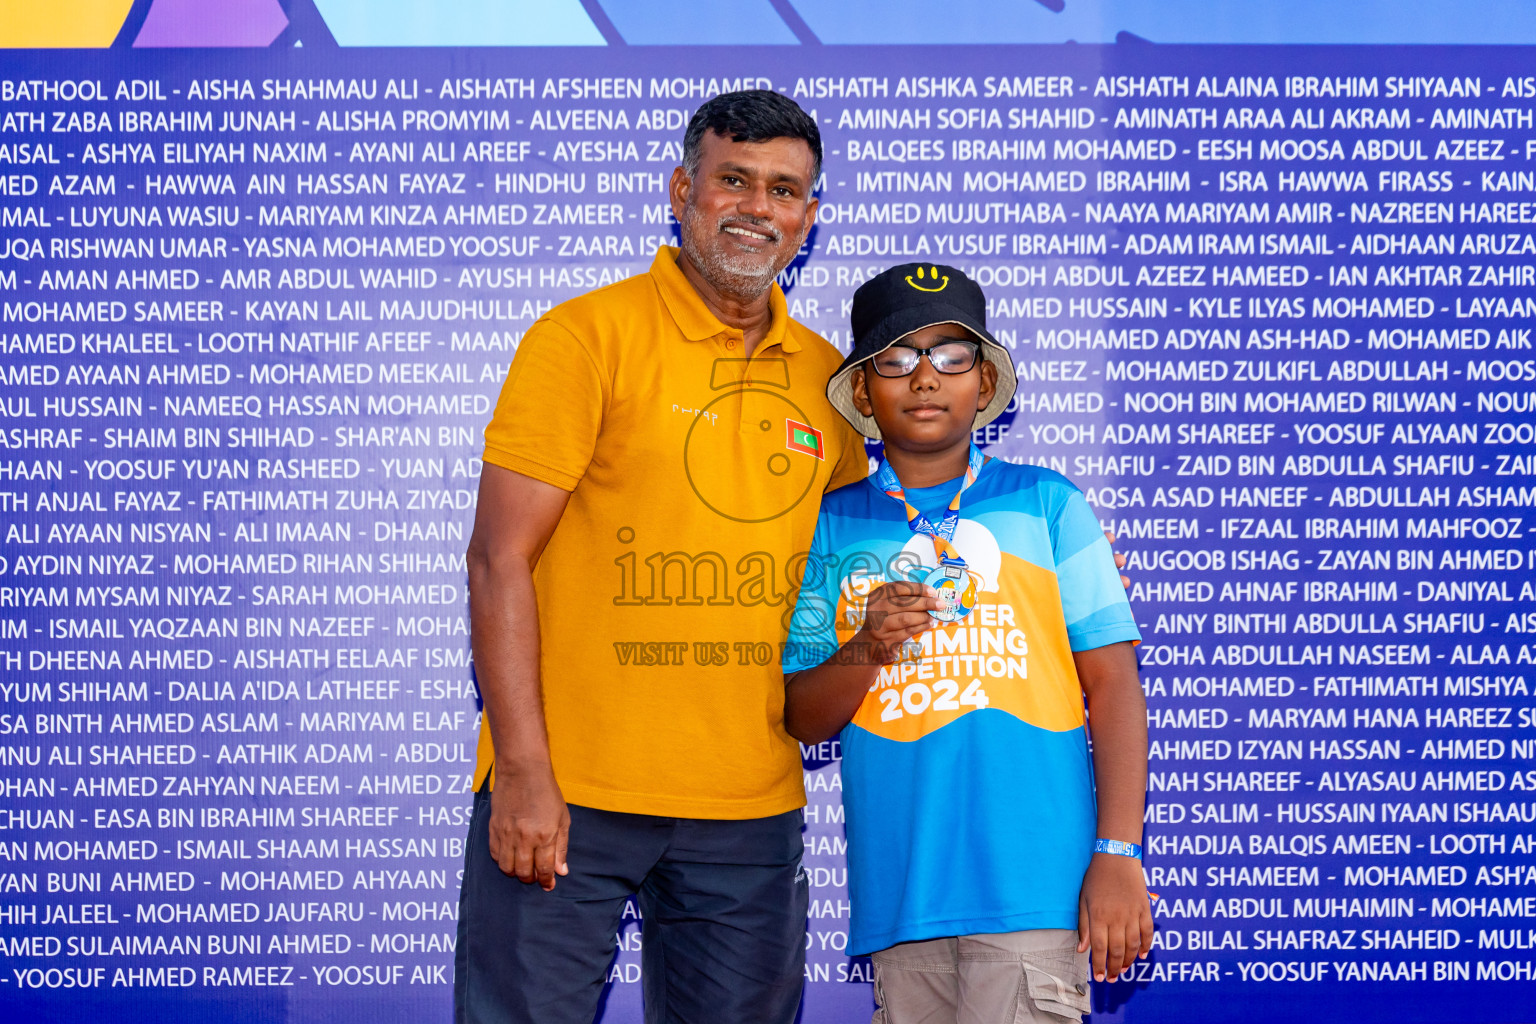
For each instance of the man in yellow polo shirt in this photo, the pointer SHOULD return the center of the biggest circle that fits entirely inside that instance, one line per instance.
(654, 465)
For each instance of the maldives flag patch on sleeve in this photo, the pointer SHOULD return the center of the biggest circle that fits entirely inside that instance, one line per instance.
(804, 438)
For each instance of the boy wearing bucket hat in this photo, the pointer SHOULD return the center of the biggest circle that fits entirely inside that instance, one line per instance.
(956, 612)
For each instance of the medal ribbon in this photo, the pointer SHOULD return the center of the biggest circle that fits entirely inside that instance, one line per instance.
(944, 533)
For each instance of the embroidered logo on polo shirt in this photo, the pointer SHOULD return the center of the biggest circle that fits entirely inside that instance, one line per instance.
(803, 438)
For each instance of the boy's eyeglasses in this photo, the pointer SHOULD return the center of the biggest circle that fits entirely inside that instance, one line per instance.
(945, 357)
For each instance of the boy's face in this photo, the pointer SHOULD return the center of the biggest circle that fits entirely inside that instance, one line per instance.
(926, 410)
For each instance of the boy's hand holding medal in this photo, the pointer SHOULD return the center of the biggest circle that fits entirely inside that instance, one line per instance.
(896, 613)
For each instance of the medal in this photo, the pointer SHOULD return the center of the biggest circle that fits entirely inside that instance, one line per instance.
(951, 578)
(956, 587)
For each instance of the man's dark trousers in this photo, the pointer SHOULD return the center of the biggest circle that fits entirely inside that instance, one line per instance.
(723, 906)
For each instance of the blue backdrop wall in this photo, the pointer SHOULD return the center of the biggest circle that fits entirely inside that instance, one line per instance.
(1268, 273)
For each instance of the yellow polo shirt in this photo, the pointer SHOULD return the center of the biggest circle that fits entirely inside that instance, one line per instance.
(665, 592)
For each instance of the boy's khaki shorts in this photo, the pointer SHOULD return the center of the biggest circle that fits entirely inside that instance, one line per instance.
(1012, 978)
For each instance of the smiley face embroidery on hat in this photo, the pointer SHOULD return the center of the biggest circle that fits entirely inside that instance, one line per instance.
(934, 282)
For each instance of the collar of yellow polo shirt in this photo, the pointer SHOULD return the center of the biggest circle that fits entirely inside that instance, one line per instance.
(695, 477)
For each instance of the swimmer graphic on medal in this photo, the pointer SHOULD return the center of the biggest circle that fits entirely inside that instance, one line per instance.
(959, 581)
(956, 587)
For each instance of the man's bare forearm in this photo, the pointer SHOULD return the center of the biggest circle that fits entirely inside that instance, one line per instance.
(504, 631)
(514, 520)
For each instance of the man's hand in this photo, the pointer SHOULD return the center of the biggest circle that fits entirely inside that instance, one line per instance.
(895, 612)
(1114, 917)
(530, 826)
(1125, 581)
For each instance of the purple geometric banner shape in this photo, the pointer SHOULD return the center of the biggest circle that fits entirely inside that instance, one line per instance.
(212, 23)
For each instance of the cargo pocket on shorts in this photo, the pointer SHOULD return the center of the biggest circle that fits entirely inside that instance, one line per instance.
(880, 1014)
(1049, 995)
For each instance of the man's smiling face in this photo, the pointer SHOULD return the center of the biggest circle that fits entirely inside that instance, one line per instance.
(745, 211)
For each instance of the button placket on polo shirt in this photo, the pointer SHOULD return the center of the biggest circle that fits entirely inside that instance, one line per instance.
(754, 425)
(731, 342)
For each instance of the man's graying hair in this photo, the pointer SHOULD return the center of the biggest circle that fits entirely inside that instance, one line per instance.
(754, 115)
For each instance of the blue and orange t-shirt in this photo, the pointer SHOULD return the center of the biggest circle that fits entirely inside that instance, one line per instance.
(966, 778)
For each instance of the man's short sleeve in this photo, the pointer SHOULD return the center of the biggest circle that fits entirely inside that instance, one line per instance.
(852, 460)
(550, 410)
(813, 626)
(1093, 602)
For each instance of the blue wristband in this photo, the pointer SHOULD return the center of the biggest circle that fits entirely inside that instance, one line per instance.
(1117, 847)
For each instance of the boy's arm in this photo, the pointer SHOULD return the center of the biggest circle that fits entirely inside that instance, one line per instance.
(1114, 916)
(819, 701)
